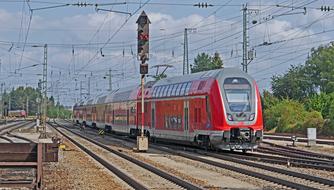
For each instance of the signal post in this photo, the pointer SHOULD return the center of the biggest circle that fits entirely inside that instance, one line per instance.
(143, 55)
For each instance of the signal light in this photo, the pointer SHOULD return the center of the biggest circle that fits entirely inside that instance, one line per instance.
(143, 69)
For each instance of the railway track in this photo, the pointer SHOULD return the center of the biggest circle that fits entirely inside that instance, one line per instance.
(285, 177)
(154, 172)
(7, 130)
(292, 152)
(288, 161)
(303, 139)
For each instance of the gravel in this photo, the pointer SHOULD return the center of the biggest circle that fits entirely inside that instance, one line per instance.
(77, 170)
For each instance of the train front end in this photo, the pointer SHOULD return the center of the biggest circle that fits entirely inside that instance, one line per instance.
(240, 116)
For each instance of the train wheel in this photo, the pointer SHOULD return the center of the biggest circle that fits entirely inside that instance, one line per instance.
(244, 151)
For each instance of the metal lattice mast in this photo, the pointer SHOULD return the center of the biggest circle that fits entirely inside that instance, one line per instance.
(244, 39)
(45, 87)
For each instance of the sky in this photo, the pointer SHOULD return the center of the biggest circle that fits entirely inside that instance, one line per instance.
(85, 42)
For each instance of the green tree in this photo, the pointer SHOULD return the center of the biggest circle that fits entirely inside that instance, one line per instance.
(293, 84)
(268, 100)
(320, 68)
(320, 103)
(19, 97)
(204, 62)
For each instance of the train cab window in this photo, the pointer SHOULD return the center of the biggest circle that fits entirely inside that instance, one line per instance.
(238, 93)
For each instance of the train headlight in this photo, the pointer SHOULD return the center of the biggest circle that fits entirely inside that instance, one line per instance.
(251, 117)
(229, 117)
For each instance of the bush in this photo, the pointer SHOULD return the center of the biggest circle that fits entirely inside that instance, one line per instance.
(285, 115)
(291, 116)
(313, 119)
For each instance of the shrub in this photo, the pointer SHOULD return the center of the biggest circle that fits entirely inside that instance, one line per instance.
(285, 116)
(313, 119)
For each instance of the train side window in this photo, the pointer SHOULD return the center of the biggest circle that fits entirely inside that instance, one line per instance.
(166, 91)
(174, 89)
(187, 88)
(177, 93)
(155, 94)
(158, 91)
(154, 91)
(170, 90)
(183, 88)
(161, 91)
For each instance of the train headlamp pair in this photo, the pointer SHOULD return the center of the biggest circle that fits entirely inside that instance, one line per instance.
(229, 117)
(252, 117)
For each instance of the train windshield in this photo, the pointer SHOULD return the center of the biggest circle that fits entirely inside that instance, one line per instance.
(238, 93)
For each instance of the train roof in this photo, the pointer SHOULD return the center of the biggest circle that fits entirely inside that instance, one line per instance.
(132, 92)
(198, 76)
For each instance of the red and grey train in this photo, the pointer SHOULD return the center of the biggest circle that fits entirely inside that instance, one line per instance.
(218, 108)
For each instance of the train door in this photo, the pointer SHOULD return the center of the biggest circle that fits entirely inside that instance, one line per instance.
(186, 119)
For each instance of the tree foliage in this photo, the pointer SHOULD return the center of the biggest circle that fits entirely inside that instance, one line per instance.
(205, 62)
(316, 75)
(305, 95)
(29, 99)
(291, 116)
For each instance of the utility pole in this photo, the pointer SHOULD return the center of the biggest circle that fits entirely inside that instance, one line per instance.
(244, 39)
(185, 53)
(185, 50)
(1, 103)
(246, 55)
(45, 87)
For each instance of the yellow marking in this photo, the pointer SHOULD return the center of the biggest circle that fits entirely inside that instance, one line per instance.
(62, 146)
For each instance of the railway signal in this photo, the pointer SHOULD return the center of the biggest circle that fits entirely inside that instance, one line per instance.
(143, 55)
(143, 37)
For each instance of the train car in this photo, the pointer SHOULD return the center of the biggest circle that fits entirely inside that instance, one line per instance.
(17, 113)
(219, 108)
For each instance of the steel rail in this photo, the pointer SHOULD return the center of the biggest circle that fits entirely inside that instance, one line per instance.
(313, 154)
(253, 164)
(155, 170)
(231, 168)
(286, 161)
(281, 152)
(14, 126)
(130, 181)
(287, 138)
(274, 169)
(6, 139)
(237, 169)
